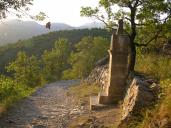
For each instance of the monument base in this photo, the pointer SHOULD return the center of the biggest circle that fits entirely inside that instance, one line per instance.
(115, 89)
(94, 103)
(101, 101)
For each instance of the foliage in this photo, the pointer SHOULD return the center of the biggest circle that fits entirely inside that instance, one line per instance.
(55, 61)
(26, 70)
(8, 6)
(38, 62)
(155, 65)
(149, 18)
(140, 14)
(6, 87)
(88, 51)
(37, 45)
(11, 92)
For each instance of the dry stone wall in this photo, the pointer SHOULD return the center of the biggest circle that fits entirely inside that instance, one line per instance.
(138, 96)
(140, 93)
(99, 75)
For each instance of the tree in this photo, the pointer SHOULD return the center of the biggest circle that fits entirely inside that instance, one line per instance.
(26, 70)
(138, 15)
(55, 61)
(19, 8)
(88, 51)
(6, 5)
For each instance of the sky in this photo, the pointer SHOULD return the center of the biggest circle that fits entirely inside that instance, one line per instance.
(63, 11)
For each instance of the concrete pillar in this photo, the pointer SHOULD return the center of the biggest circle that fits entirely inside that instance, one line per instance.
(118, 69)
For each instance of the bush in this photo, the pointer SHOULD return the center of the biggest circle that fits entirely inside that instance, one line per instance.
(154, 65)
(157, 66)
(88, 51)
(11, 92)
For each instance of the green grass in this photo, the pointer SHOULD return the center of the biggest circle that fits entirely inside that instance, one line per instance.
(154, 65)
(11, 93)
(158, 67)
(9, 101)
(82, 92)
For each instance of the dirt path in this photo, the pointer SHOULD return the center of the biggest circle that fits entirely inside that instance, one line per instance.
(48, 107)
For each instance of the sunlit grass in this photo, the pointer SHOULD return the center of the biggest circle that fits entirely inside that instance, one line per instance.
(158, 67)
(11, 93)
(82, 92)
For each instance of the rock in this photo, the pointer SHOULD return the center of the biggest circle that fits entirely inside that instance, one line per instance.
(39, 126)
(52, 117)
(92, 122)
(83, 103)
(75, 112)
(167, 48)
(82, 107)
(151, 81)
(155, 88)
(11, 121)
(98, 76)
(43, 117)
(103, 61)
(138, 96)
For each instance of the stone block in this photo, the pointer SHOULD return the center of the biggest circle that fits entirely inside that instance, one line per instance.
(94, 103)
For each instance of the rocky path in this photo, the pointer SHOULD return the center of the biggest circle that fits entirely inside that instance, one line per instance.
(48, 107)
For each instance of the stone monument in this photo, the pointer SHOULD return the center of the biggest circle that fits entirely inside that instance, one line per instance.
(115, 89)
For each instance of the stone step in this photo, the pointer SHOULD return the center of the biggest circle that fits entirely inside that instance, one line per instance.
(94, 103)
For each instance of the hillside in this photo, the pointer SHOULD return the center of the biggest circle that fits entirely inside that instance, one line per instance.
(92, 25)
(37, 44)
(14, 30)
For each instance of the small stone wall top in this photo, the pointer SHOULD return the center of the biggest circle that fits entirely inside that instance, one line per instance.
(140, 94)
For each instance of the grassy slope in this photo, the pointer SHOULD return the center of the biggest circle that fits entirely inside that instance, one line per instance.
(11, 100)
(158, 67)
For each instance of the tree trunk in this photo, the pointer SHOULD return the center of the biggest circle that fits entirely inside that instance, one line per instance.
(132, 39)
(132, 58)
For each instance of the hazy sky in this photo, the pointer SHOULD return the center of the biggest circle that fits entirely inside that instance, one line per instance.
(65, 11)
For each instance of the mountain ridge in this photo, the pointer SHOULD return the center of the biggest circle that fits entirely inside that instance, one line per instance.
(15, 30)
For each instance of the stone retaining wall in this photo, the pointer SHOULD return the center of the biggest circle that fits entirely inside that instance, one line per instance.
(99, 76)
(140, 93)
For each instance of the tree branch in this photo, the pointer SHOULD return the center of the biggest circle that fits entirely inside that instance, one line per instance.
(140, 24)
(127, 18)
(136, 3)
(140, 3)
(100, 19)
(130, 5)
(156, 36)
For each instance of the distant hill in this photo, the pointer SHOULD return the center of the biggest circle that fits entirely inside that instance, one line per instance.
(15, 30)
(92, 25)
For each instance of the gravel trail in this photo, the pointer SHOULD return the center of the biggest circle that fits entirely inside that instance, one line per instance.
(48, 107)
